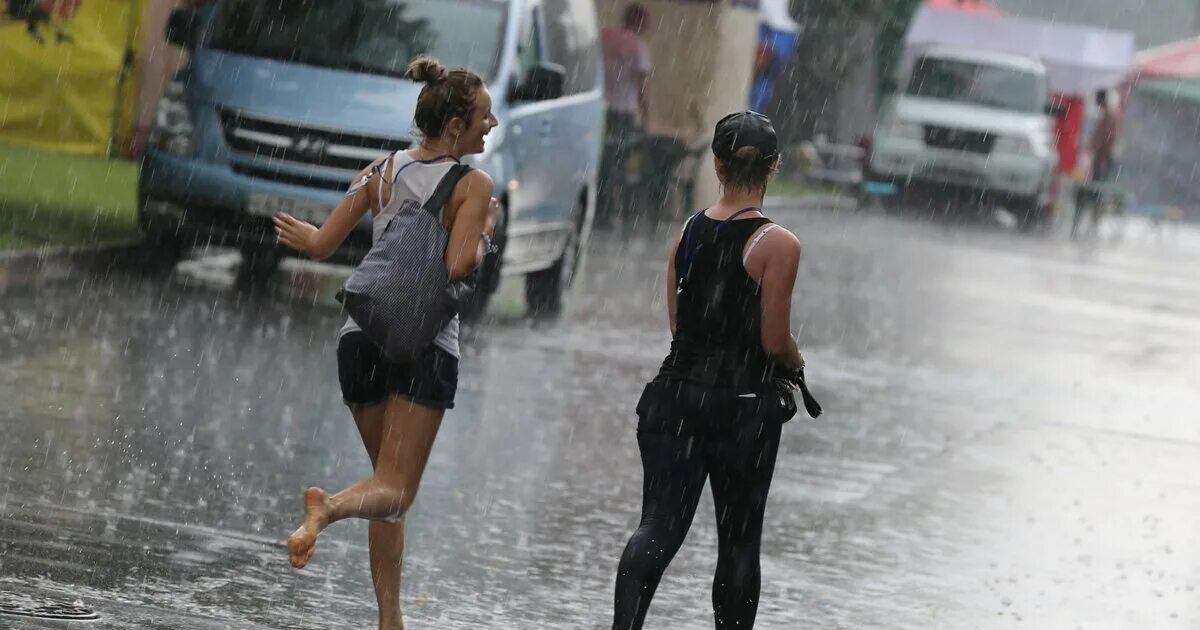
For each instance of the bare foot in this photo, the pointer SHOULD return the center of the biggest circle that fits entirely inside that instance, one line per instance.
(302, 543)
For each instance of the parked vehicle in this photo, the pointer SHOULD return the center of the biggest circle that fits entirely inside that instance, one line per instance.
(974, 120)
(282, 103)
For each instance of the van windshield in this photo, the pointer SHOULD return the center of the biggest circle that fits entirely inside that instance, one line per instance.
(372, 36)
(963, 81)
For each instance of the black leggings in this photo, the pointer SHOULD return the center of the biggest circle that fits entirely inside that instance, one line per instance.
(740, 459)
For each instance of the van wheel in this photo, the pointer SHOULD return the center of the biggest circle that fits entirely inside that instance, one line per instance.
(161, 252)
(545, 291)
(476, 305)
(161, 248)
(258, 266)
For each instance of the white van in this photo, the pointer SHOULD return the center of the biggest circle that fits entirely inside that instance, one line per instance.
(974, 120)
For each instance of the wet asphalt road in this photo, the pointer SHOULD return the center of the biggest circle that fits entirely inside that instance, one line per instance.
(1010, 441)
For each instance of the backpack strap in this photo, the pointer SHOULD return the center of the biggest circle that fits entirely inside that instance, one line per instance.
(445, 189)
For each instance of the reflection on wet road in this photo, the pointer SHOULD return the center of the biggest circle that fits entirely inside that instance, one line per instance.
(1006, 443)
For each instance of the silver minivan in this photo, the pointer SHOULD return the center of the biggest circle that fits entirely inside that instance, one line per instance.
(281, 103)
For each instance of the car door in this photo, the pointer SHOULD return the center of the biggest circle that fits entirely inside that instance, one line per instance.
(576, 119)
(531, 192)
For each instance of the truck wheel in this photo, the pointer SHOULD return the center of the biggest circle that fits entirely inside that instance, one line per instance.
(899, 199)
(1031, 214)
(476, 305)
(545, 291)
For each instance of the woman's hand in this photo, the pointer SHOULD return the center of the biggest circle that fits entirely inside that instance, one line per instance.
(295, 233)
(493, 216)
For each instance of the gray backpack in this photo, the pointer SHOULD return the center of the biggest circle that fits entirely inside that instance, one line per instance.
(401, 294)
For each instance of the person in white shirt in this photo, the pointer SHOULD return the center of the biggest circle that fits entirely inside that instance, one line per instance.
(627, 65)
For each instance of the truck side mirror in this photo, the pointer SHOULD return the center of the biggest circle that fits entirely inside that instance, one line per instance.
(546, 81)
(181, 28)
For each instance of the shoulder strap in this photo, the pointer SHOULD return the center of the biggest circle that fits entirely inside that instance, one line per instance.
(445, 189)
(754, 243)
(686, 245)
(382, 169)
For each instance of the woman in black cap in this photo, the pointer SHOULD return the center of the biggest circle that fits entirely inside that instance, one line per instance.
(718, 404)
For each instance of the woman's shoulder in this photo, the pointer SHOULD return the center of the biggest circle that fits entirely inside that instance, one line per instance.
(475, 182)
(771, 244)
(779, 237)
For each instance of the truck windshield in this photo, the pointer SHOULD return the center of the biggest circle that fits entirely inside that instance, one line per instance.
(371, 36)
(963, 81)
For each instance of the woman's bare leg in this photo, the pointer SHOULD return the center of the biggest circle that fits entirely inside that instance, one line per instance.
(386, 540)
(407, 438)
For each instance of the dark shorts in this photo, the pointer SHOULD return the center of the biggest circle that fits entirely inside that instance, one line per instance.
(369, 378)
(676, 407)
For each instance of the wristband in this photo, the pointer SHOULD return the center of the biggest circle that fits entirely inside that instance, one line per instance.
(488, 245)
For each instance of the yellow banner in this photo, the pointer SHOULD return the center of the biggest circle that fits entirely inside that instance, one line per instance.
(66, 73)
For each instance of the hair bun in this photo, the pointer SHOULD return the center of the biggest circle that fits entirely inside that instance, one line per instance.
(426, 70)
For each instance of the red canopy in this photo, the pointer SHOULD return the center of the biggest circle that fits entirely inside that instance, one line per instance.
(974, 6)
(1177, 60)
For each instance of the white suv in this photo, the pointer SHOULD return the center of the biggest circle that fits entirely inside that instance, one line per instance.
(972, 120)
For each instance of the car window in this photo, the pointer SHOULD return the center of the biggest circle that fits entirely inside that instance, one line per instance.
(963, 81)
(373, 36)
(529, 42)
(571, 42)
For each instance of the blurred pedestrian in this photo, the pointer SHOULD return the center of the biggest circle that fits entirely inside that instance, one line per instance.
(1103, 145)
(399, 407)
(1105, 139)
(627, 65)
(716, 409)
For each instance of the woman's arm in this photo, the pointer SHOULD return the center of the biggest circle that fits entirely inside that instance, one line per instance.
(474, 212)
(776, 260)
(321, 243)
(672, 284)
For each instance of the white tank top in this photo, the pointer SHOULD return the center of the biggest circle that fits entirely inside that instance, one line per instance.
(411, 179)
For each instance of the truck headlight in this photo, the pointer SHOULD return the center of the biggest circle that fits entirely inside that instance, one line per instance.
(1013, 145)
(173, 129)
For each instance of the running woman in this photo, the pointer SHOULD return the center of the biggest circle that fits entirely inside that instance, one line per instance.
(399, 407)
(713, 412)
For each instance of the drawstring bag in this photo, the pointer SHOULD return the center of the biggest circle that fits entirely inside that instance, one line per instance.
(401, 295)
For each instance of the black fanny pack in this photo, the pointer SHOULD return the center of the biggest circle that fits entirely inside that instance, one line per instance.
(681, 407)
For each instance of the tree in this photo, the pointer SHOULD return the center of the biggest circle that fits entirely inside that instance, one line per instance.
(837, 35)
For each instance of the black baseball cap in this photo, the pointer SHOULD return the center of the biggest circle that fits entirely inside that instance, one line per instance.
(745, 129)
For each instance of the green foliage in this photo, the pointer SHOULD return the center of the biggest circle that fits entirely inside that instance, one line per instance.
(55, 199)
(836, 33)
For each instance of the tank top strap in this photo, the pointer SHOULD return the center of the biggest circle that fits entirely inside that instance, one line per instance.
(415, 179)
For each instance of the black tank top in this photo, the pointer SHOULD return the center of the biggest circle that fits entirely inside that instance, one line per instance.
(718, 312)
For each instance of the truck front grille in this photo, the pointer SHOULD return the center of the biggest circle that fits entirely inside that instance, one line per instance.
(958, 139)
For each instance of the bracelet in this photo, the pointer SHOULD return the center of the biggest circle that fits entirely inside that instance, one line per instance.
(488, 245)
